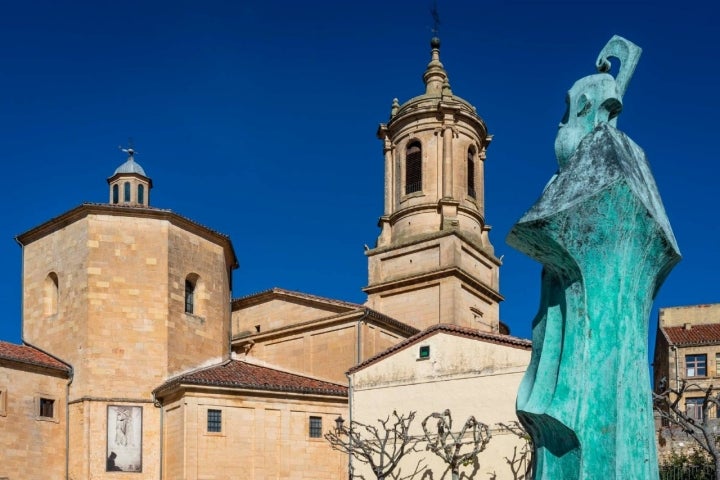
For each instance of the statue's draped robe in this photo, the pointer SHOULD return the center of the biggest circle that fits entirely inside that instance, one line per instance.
(601, 232)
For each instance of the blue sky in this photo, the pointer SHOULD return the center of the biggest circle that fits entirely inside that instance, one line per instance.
(258, 119)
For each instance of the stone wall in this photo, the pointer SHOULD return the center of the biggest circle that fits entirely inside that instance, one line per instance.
(261, 437)
(32, 446)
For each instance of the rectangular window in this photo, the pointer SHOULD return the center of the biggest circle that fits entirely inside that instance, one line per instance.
(47, 408)
(717, 364)
(696, 365)
(424, 351)
(315, 427)
(3, 401)
(214, 420)
(693, 408)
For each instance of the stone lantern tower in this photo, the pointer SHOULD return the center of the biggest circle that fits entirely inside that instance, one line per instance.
(433, 262)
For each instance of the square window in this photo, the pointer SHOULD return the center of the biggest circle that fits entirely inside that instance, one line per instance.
(424, 352)
(46, 408)
(315, 427)
(214, 420)
(696, 365)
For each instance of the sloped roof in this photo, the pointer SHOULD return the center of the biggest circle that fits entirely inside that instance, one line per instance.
(466, 332)
(277, 292)
(244, 375)
(31, 356)
(339, 307)
(696, 335)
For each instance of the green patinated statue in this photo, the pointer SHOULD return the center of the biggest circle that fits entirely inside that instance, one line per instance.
(601, 232)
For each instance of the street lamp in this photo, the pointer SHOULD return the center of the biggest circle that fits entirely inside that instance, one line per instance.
(339, 421)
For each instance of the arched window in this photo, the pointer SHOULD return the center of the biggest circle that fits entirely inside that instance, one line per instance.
(413, 168)
(126, 187)
(50, 294)
(141, 194)
(471, 172)
(116, 193)
(191, 293)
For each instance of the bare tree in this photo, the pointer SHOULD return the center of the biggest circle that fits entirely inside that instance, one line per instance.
(381, 448)
(521, 461)
(456, 448)
(703, 431)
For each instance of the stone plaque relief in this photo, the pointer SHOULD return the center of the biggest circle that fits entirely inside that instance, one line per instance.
(124, 439)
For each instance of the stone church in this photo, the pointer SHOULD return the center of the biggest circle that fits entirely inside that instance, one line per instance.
(136, 361)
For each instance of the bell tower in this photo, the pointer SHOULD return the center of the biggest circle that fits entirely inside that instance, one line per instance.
(433, 261)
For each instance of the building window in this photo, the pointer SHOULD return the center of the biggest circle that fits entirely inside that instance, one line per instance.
(413, 168)
(116, 193)
(717, 364)
(315, 427)
(424, 352)
(141, 194)
(696, 365)
(126, 195)
(471, 172)
(189, 295)
(3, 401)
(46, 408)
(694, 408)
(214, 420)
(50, 294)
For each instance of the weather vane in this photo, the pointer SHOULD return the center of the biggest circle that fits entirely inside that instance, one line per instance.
(130, 150)
(436, 19)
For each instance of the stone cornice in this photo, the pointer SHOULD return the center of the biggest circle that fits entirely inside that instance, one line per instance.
(414, 279)
(86, 209)
(416, 240)
(370, 315)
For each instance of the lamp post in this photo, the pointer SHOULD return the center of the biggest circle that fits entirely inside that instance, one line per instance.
(339, 424)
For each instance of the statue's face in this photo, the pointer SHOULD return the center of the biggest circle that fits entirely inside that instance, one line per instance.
(591, 101)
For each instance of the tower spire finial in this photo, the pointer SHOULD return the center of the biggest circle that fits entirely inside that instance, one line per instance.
(436, 20)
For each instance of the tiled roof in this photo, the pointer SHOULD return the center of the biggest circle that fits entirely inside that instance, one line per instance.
(30, 355)
(239, 374)
(467, 332)
(697, 334)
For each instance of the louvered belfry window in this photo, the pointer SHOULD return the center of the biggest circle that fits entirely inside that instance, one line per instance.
(413, 168)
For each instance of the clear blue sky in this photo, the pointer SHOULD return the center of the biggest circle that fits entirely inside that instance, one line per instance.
(258, 119)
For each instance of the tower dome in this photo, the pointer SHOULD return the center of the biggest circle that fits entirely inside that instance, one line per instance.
(129, 185)
(434, 148)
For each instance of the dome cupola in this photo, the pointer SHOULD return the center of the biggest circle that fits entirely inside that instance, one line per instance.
(129, 185)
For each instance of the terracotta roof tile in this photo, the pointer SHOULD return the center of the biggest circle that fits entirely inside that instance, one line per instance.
(239, 374)
(30, 355)
(497, 338)
(698, 334)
